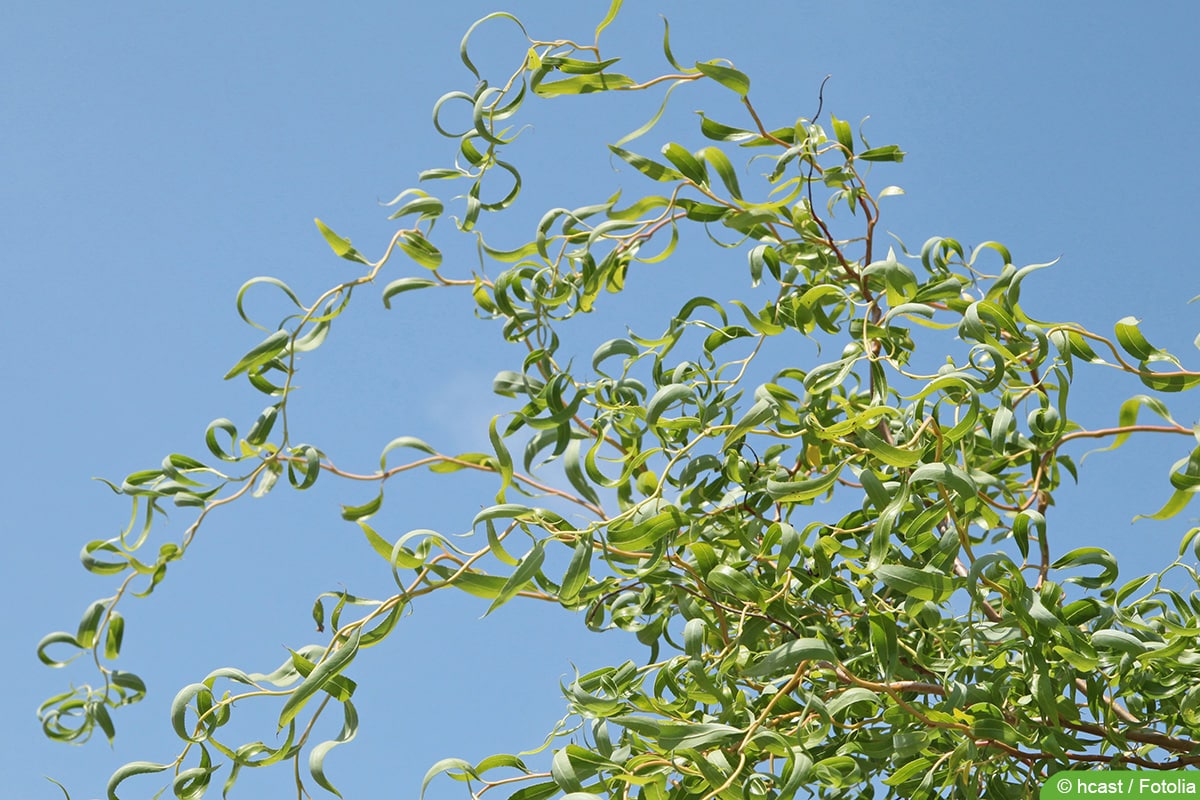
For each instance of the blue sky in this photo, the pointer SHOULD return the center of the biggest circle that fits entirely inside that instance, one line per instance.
(156, 156)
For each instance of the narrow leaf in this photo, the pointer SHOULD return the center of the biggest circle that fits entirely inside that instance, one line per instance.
(686, 163)
(128, 771)
(355, 513)
(802, 491)
(933, 586)
(337, 661)
(784, 659)
(664, 398)
(651, 169)
(316, 757)
(889, 153)
(340, 245)
(530, 566)
(266, 350)
(401, 285)
(726, 76)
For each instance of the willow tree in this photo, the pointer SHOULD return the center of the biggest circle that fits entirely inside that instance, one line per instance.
(824, 507)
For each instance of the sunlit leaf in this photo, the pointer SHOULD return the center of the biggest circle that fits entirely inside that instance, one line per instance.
(331, 666)
(530, 566)
(401, 285)
(651, 169)
(726, 76)
(340, 246)
(130, 770)
(784, 659)
(264, 351)
(923, 585)
(316, 756)
(804, 490)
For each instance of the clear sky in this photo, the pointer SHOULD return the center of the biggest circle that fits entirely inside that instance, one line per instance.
(155, 156)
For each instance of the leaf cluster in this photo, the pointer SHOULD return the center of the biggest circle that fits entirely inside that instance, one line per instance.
(842, 565)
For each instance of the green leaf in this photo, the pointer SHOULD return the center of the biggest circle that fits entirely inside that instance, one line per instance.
(805, 490)
(316, 756)
(1177, 502)
(265, 351)
(656, 520)
(578, 66)
(448, 766)
(90, 624)
(889, 153)
(762, 411)
(698, 735)
(1130, 337)
(889, 454)
(1120, 641)
(278, 284)
(1084, 662)
(1089, 555)
(340, 245)
(210, 438)
(1128, 415)
(933, 586)
(723, 133)
(564, 772)
(203, 697)
(356, 513)
(476, 584)
(58, 637)
(581, 84)
(651, 169)
(419, 249)
(536, 791)
(379, 544)
(726, 76)
(530, 566)
(128, 771)
(850, 697)
(98, 567)
(503, 459)
(411, 442)
(504, 511)
(917, 768)
(113, 635)
(324, 672)
(424, 205)
(304, 474)
(666, 397)
(760, 256)
(573, 467)
(724, 336)
(192, 783)
(262, 426)
(686, 163)
(845, 136)
(726, 579)
(720, 162)
(1021, 529)
(949, 475)
(784, 659)
(401, 285)
(578, 570)
(613, 9)
(61, 788)
(338, 687)
(613, 347)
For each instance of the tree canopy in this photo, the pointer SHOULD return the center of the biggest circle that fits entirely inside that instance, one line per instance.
(825, 506)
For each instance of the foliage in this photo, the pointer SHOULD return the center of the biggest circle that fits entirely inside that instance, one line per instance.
(841, 564)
